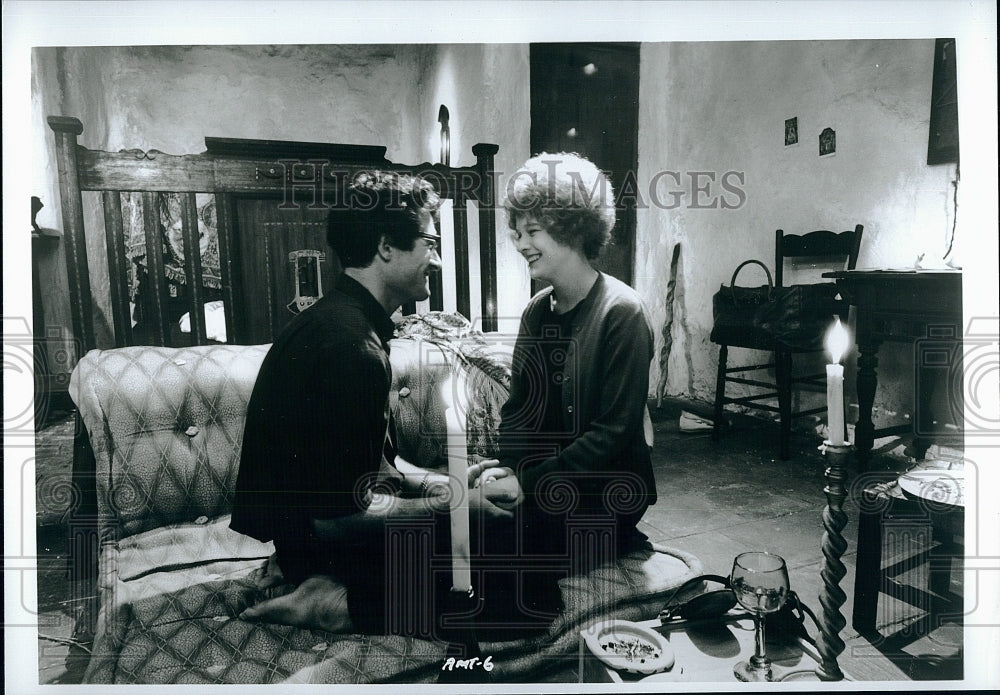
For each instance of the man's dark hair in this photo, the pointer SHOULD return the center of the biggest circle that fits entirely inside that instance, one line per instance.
(380, 202)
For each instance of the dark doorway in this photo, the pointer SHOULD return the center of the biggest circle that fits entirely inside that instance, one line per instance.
(585, 99)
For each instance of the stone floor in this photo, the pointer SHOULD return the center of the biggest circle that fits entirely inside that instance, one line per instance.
(717, 499)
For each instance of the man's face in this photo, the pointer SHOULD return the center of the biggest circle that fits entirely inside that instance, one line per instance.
(411, 269)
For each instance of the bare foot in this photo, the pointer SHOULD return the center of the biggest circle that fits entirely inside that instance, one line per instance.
(268, 575)
(318, 603)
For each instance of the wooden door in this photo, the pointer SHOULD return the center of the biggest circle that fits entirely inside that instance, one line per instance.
(585, 99)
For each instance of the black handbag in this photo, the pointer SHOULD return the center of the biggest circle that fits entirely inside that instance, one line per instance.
(796, 316)
(799, 315)
(733, 304)
(733, 307)
(790, 619)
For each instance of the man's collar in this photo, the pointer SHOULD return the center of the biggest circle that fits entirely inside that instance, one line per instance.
(373, 310)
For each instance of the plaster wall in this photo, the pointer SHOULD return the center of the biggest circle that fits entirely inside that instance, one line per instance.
(64, 79)
(720, 107)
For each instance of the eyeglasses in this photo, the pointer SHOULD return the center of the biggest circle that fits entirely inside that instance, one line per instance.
(432, 241)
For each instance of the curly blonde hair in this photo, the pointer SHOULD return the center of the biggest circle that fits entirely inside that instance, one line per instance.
(568, 195)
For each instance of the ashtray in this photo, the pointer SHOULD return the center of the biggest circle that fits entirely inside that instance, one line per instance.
(625, 646)
(933, 485)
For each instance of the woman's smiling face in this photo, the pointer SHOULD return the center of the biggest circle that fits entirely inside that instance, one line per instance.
(546, 257)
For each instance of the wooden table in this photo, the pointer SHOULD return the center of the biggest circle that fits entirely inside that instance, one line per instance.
(934, 526)
(705, 651)
(920, 307)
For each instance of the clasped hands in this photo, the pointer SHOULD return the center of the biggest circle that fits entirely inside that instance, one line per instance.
(493, 489)
(495, 484)
(499, 483)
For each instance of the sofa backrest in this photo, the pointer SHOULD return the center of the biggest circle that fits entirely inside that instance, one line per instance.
(166, 424)
(166, 427)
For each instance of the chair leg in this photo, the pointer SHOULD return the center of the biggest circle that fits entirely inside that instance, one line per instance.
(720, 392)
(783, 377)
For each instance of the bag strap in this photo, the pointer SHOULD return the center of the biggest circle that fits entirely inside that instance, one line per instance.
(753, 261)
(694, 581)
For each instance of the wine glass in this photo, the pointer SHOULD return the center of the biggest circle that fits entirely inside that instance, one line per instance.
(760, 582)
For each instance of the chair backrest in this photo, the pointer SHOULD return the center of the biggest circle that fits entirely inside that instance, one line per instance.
(821, 245)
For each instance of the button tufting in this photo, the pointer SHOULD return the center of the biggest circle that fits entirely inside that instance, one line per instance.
(191, 431)
(180, 362)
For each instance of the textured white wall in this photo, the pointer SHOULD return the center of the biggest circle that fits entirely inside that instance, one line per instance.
(721, 107)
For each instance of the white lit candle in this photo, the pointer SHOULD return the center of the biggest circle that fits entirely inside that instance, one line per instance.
(458, 473)
(837, 341)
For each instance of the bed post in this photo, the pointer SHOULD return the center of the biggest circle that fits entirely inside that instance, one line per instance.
(66, 129)
(82, 540)
(486, 195)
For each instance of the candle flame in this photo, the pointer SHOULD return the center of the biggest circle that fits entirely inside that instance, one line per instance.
(837, 341)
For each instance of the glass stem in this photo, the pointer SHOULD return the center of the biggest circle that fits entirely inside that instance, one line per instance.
(759, 660)
(759, 654)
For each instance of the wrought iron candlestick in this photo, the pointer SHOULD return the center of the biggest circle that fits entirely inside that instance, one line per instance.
(831, 596)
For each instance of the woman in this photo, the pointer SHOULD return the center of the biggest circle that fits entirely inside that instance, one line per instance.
(572, 451)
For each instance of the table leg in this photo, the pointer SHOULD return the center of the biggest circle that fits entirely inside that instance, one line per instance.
(864, 432)
(868, 575)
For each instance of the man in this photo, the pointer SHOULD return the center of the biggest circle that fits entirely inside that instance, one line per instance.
(316, 473)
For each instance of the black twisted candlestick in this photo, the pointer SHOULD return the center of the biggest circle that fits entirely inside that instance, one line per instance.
(831, 596)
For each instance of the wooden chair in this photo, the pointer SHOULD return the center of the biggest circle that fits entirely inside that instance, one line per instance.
(819, 247)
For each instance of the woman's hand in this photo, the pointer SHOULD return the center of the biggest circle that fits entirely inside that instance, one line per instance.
(480, 468)
(492, 474)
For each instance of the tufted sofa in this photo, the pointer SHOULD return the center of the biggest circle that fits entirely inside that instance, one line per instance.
(165, 426)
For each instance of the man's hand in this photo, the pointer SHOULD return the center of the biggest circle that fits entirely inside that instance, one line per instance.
(502, 489)
(480, 503)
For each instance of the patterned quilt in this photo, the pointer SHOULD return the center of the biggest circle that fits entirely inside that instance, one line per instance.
(179, 625)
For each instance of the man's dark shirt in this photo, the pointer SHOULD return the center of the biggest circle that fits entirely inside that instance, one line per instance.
(315, 436)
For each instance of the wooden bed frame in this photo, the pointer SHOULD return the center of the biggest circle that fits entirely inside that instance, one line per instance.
(288, 176)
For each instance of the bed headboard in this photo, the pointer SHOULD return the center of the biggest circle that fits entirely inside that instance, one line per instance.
(265, 204)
